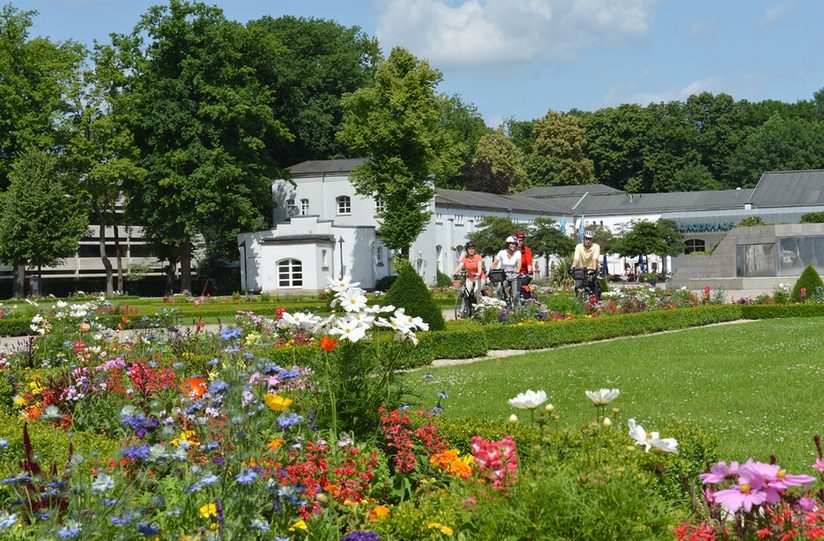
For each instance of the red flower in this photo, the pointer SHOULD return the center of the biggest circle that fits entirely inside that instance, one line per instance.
(327, 343)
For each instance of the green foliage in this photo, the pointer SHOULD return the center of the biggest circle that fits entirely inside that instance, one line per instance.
(394, 122)
(466, 126)
(39, 226)
(751, 221)
(770, 311)
(383, 284)
(646, 237)
(456, 343)
(812, 218)
(505, 162)
(490, 234)
(560, 140)
(810, 281)
(694, 177)
(444, 280)
(410, 293)
(546, 239)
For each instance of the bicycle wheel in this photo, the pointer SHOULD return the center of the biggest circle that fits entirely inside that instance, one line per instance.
(461, 311)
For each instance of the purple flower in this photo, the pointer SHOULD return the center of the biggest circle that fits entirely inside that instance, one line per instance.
(70, 530)
(285, 420)
(228, 334)
(362, 535)
(148, 529)
(136, 452)
(218, 386)
(719, 473)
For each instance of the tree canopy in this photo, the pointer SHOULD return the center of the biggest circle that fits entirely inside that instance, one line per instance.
(646, 237)
(491, 233)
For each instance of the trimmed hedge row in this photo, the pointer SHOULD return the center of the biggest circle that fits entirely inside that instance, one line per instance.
(768, 311)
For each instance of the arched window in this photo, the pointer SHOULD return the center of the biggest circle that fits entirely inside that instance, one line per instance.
(344, 204)
(290, 273)
(694, 245)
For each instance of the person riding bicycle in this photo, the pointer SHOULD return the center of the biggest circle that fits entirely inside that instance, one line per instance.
(509, 259)
(475, 268)
(586, 257)
(526, 265)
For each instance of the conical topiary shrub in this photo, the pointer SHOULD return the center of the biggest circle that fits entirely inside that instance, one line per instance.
(410, 293)
(809, 281)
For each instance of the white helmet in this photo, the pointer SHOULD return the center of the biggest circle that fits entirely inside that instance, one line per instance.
(588, 235)
(511, 239)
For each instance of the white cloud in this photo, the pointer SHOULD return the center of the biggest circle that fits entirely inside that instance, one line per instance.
(472, 33)
(776, 12)
(713, 84)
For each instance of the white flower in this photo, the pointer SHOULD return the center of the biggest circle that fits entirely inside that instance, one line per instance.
(549, 408)
(528, 400)
(339, 286)
(352, 300)
(513, 419)
(607, 422)
(652, 439)
(103, 483)
(52, 414)
(62, 304)
(348, 329)
(603, 397)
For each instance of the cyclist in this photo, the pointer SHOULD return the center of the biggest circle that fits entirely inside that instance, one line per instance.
(586, 257)
(475, 268)
(509, 259)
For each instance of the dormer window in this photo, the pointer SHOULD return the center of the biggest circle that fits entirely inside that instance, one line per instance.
(304, 207)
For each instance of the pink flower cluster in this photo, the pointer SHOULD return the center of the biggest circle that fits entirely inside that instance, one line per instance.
(497, 460)
(750, 484)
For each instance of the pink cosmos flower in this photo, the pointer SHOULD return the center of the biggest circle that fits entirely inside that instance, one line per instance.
(819, 464)
(719, 473)
(748, 492)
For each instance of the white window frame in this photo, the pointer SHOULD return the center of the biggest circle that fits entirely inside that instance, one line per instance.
(289, 273)
(380, 206)
(291, 209)
(343, 204)
(304, 207)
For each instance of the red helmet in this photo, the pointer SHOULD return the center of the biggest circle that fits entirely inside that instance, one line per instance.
(519, 235)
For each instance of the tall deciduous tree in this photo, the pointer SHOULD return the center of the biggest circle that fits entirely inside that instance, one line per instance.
(394, 122)
(466, 127)
(39, 225)
(506, 163)
(644, 237)
(559, 152)
(101, 149)
(36, 77)
(319, 61)
(204, 124)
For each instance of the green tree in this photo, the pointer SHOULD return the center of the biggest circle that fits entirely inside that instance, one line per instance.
(644, 237)
(546, 239)
(693, 177)
(560, 142)
(37, 76)
(204, 124)
(395, 123)
(506, 163)
(39, 225)
(315, 63)
(466, 126)
(616, 139)
(410, 293)
(491, 233)
(812, 218)
(101, 150)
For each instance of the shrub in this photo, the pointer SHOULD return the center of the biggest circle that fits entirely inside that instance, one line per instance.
(810, 281)
(812, 218)
(410, 293)
(752, 221)
(444, 280)
(383, 284)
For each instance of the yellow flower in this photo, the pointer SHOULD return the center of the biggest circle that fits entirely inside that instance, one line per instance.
(299, 525)
(446, 530)
(277, 402)
(35, 387)
(187, 436)
(19, 401)
(381, 511)
(251, 338)
(208, 510)
(274, 444)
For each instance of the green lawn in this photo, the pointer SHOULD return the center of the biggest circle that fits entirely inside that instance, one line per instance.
(758, 386)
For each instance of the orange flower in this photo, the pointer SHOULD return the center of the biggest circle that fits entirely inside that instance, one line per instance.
(84, 327)
(194, 387)
(327, 343)
(274, 444)
(379, 512)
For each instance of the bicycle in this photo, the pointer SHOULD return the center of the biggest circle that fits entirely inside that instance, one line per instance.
(586, 282)
(505, 293)
(465, 303)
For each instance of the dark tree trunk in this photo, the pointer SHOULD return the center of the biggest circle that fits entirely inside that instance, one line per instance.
(119, 258)
(186, 268)
(107, 265)
(20, 280)
(170, 277)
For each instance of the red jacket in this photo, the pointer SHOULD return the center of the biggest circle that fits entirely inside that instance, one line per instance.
(526, 259)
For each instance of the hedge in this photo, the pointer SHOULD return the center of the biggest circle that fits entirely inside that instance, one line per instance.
(768, 311)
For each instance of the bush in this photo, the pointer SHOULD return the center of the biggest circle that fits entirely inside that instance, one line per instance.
(383, 284)
(768, 311)
(812, 218)
(410, 293)
(455, 344)
(752, 221)
(810, 281)
(444, 280)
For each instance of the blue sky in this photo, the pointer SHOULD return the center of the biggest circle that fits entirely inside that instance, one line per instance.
(519, 58)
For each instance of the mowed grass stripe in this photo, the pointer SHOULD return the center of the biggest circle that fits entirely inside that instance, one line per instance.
(758, 386)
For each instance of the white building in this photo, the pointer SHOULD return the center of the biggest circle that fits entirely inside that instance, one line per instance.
(323, 229)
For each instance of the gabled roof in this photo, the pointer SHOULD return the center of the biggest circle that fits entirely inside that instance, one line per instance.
(491, 201)
(789, 189)
(320, 167)
(542, 192)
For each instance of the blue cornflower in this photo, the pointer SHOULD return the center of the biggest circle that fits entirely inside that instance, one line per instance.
(259, 524)
(191, 489)
(103, 483)
(218, 386)
(209, 479)
(210, 445)
(108, 502)
(4, 444)
(248, 355)
(442, 394)
(246, 476)
(232, 349)
(285, 420)
(436, 410)
(271, 370)
(289, 374)
(405, 407)
(70, 530)
(7, 520)
(362, 535)
(229, 333)
(148, 529)
(213, 361)
(121, 521)
(136, 452)
(22, 478)
(428, 376)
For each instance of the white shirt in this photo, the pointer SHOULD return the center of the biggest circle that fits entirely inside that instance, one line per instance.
(510, 264)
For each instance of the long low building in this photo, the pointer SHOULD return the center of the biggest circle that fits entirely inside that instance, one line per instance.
(323, 229)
